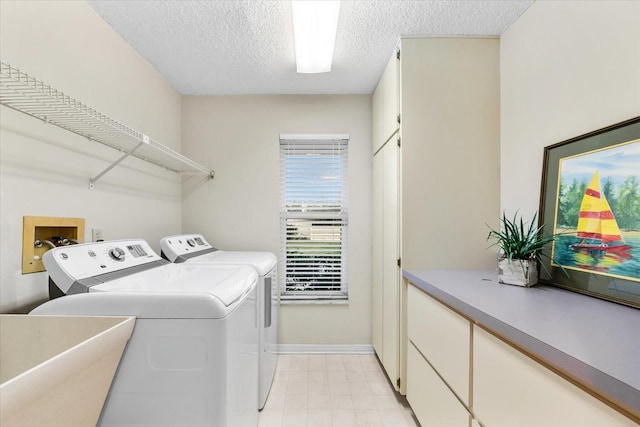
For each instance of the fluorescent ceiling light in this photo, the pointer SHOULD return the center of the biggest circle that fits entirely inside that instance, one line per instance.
(314, 33)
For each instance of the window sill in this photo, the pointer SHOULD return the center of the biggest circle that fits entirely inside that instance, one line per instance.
(314, 301)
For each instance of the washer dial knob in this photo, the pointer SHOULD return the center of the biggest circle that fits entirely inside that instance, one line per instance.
(191, 242)
(117, 254)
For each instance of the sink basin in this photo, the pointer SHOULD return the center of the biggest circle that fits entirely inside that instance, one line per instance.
(56, 370)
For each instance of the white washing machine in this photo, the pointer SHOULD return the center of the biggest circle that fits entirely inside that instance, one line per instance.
(193, 248)
(192, 359)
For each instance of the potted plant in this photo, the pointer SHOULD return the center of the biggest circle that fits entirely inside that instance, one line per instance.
(521, 245)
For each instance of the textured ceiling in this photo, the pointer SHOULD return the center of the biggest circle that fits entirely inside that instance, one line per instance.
(246, 47)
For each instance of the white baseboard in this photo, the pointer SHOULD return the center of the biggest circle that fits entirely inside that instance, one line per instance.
(325, 349)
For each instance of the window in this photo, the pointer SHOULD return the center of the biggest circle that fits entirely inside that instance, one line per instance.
(313, 217)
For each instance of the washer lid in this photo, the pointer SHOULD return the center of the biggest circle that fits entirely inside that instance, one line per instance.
(226, 283)
(263, 262)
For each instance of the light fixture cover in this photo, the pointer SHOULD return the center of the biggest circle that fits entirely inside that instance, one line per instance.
(314, 32)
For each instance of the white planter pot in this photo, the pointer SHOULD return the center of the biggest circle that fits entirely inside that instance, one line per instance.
(517, 272)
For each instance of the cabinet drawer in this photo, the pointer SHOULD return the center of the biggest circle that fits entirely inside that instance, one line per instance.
(444, 338)
(431, 400)
(511, 389)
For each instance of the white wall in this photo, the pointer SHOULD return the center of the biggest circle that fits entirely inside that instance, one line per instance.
(239, 209)
(44, 171)
(567, 68)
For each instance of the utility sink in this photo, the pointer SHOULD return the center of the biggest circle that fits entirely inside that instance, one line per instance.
(56, 370)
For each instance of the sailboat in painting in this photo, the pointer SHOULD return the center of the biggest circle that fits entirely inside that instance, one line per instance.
(597, 226)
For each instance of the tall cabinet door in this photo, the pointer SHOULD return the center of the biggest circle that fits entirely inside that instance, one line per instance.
(386, 272)
(377, 256)
(386, 226)
(391, 280)
(385, 105)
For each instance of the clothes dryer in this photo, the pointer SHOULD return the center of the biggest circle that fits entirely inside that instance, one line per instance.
(193, 248)
(192, 358)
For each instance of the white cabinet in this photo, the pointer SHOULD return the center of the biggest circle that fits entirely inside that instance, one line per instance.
(443, 337)
(385, 104)
(431, 400)
(438, 361)
(445, 185)
(377, 301)
(428, 169)
(386, 231)
(511, 389)
(386, 272)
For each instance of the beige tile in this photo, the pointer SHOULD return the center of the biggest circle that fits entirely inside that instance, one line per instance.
(270, 418)
(381, 389)
(333, 391)
(385, 402)
(356, 377)
(376, 377)
(336, 377)
(297, 388)
(352, 358)
(393, 418)
(284, 361)
(339, 388)
(316, 388)
(319, 401)
(317, 363)
(335, 368)
(341, 402)
(319, 418)
(353, 368)
(294, 418)
(281, 375)
(368, 358)
(278, 387)
(298, 376)
(301, 364)
(363, 402)
(296, 401)
(275, 400)
(344, 418)
(359, 388)
(368, 418)
(318, 377)
(370, 364)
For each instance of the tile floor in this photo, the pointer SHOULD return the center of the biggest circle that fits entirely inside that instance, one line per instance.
(333, 391)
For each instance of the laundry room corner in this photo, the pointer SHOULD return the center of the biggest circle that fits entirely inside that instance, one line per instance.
(45, 170)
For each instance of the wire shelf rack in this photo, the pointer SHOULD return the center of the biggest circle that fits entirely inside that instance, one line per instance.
(27, 94)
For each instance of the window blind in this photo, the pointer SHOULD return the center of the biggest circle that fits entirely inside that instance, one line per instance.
(313, 218)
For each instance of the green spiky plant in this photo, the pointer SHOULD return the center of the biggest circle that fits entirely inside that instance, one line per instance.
(520, 240)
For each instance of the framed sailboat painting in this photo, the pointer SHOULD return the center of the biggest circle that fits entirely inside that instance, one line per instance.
(590, 198)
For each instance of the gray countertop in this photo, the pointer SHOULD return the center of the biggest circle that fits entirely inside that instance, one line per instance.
(596, 342)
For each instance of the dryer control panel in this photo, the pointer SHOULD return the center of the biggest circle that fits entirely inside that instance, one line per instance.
(67, 264)
(184, 245)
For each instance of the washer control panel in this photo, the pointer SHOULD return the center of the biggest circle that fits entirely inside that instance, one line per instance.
(183, 244)
(93, 259)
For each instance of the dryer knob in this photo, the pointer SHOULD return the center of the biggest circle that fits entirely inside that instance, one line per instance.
(191, 242)
(117, 254)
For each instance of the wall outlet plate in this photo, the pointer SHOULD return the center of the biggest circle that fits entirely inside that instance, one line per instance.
(96, 234)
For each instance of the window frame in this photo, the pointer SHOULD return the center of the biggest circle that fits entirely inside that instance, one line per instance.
(322, 214)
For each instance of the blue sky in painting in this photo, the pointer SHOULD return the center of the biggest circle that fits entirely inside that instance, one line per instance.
(618, 163)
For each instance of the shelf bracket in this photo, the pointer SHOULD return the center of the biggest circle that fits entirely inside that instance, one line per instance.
(92, 181)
